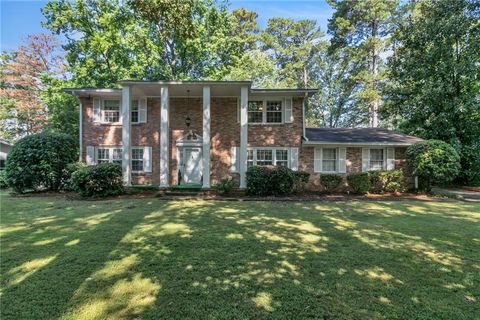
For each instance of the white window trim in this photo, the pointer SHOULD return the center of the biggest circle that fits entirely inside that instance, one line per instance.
(264, 111)
(274, 154)
(143, 161)
(102, 110)
(320, 160)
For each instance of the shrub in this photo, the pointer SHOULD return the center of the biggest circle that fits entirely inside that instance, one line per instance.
(300, 179)
(225, 186)
(359, 182)
(101, 180)
(387, 181)
(434, 162)
(3, 179)
(269, 180)
(40, 161)
(330, 182)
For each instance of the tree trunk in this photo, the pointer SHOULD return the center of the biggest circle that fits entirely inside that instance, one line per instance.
(373, 112)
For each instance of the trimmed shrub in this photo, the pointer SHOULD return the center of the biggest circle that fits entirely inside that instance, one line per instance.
(3, 179)
(330, 182)
(269, 180)
(300, 179)
(40, 161)
(359, 182)
(434, 162)
(225, 186)
(387, 181)
(101, 180)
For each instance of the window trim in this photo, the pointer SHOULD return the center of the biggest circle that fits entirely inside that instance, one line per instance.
(320, 160)
(143, 161)
(274, 155)
(110, 155)
(264, 111)
(102, 111)
(336, 160)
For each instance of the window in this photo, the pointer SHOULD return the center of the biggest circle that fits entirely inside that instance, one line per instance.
(274, 111)
(329, 160)
(264, 157)
(250, 160)
(103, 155)
(2, 164)
(111, 111)
(255, 111)
(135, 115)
(281, 158)
(376, 159)
(117, 156)
(137, 159)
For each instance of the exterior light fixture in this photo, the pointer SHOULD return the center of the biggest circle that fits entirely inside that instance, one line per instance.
(188, 121)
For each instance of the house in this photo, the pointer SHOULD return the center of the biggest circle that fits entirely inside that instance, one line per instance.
(198, 132)
(5, 147)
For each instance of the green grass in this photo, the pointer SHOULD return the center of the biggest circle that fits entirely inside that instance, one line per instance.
(154, 259)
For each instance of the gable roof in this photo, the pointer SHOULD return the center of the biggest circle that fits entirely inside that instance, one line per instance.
(357, 136)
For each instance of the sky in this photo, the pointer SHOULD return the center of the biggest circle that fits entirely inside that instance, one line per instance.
(21, 18)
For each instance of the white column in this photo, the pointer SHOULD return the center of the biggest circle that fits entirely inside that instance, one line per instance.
(206, 137)
(164, 143)
(126, 138)
(243, 135)
(80, 131)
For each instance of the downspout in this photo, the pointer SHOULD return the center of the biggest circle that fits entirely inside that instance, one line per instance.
(80, 131)
(303, 117)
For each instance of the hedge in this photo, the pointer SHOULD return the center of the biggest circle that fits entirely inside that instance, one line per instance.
(101, 180)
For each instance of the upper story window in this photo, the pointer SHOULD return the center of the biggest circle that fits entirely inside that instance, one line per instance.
(265, 111)
(135, 115)
(274, 112)
(111, 111)
(376, 159)
(255, 111)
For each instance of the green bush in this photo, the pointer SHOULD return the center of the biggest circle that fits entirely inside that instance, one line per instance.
(300, 179)
(330, 182)
(225, 186)
(40, 161)
(387, 181)
(359, 182)
(470, 162)
(269, 180)
(434, 162)
(101, 180)
(3, 179)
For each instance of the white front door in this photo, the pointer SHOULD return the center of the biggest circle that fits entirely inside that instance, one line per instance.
(192, 165)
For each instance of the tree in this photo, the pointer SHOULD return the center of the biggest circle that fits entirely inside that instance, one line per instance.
(363, 27)
(292, 46)
(154, 40)
(434, 89)
(21, 85)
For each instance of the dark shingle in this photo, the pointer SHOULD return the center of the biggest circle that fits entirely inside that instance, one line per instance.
(358, 135)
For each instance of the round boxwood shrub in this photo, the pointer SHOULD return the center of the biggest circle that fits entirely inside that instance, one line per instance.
(359, 182)
(40, 161)
(269, 180)
(330, 182)
(434, 162)
(101, 180)
(387, 181)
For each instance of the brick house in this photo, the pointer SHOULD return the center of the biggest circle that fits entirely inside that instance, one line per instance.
(198, 132)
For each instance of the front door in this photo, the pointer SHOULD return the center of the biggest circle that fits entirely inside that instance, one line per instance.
(192, 165)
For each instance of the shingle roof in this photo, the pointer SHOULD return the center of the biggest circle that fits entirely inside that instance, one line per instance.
(358, 136)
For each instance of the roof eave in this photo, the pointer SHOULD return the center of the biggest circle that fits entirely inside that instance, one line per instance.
(393, 144)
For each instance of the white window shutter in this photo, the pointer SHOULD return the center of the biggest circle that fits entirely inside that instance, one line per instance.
(317, 160)
(142, 110)
(294, 159)
(90, 156)
(288, 113)
(97, 110)
(365, 159)
(390, 158)
(234, 159)
(342, 156)
(147, 159)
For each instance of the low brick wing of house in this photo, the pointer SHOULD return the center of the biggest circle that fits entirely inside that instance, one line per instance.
(198, 132)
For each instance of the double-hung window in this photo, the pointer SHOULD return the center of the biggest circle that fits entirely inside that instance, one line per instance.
(329, 160)
(137, 159)
(103, 155)
(135, 112)
(111, 111)
(264, 157)
(255, 111)
(109, 155)
(250, 159)
(274, 112)
(117, 155)
(376, 159)
(281, 158)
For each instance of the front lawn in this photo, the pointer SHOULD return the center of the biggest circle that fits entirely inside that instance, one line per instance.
(154, 259)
